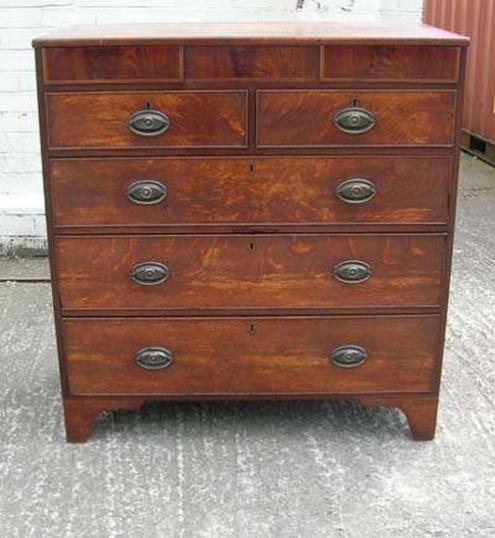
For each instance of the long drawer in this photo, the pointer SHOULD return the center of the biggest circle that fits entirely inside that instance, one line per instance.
(249, 271)
(251, 356)
(271, 190)
(322, 118)
(187, 119)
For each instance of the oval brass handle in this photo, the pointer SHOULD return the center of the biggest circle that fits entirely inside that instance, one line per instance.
(354, 120)
(349, 356)
(352, 271)
(149, 273)
(146, 192)
(154, 358)
(148, 122)
(356, 191)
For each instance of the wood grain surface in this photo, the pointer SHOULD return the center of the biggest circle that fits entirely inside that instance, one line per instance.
(99, 119)
(391, 63)
(258, 63)
(403, 118)
(259, 32)
(264, 191)
(117, 64)
(232, 356)
(249, 271)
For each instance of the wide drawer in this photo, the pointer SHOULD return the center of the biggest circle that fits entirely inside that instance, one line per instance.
(249, 271)
(99, 120)
(321, 118)
(236, 191)
(251, 356)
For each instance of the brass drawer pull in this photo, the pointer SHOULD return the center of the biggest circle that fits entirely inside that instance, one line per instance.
(146, 192)
(154, 358)
(352, 271)
(149, 273)
(148, 122)
(354, 120)
(349, 356)
(356, 191)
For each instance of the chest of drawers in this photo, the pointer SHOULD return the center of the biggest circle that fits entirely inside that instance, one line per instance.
(250, 211)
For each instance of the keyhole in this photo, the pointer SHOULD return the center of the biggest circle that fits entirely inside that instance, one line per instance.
(252, 329)
(251, 168)
(355, 102)
(147, 105)
(252, 246)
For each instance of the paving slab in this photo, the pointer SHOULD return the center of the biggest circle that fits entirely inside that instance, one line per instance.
(24, 269)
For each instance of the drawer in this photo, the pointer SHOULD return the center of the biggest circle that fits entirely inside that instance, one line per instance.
(99, 120)
(262, 191)
(251, 356)
(79, 65)
(186, 272)
(322, 118)
(390, 63)
(276, 63)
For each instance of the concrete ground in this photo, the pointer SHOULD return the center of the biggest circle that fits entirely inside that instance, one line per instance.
(245, 470)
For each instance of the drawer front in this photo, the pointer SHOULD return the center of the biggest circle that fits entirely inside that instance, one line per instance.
(147, 119)
(391, 63)
(322, 118)
(252, 63)
(251, 356)
(76, 65)
(281, 190)
(242, 271)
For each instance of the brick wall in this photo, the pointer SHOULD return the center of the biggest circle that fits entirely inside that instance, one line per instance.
(21, 201)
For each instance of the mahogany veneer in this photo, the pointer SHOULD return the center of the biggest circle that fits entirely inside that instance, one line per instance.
(250, 211)
(403, 118)
(252, 355)
(239, 272)
(94, 119)
(262, 190)
(112, 64)
(413, 64)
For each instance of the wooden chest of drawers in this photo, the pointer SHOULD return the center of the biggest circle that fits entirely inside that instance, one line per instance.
(250, 211)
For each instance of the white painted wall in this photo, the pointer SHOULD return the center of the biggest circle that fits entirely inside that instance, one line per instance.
(21, 199)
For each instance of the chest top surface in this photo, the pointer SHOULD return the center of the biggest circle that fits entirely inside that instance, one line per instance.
(245, 33)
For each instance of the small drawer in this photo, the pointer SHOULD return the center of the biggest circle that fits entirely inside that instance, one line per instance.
(262, 190)
(80, 65)
(211, 272)
(180, 119)
(390, 63)
(326, 118)
(214, 356)
(252, 63)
